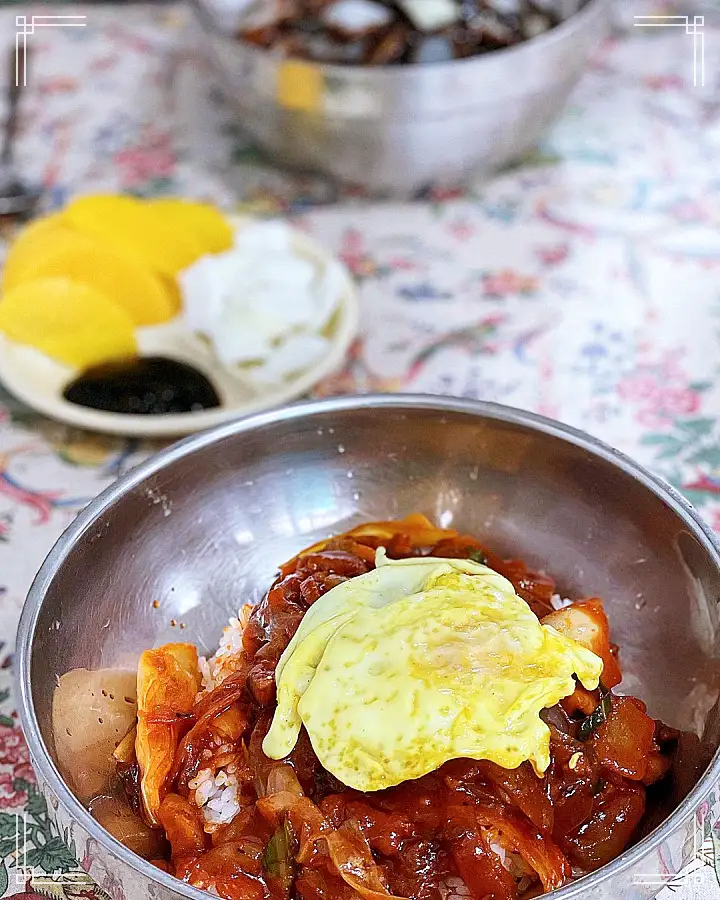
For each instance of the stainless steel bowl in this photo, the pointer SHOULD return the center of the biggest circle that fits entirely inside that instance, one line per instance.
(396, 130)
(202, 526)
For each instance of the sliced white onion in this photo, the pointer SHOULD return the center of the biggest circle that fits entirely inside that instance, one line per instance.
(356, 17)
(431, 15)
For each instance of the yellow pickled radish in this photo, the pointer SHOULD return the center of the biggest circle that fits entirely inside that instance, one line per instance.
(70, 322)
(30, 244)
(172, 287)
(209, 226)
(134, 228)
(56, 250)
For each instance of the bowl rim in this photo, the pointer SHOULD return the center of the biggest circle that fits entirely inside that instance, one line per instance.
(576, 21)
(39, 754)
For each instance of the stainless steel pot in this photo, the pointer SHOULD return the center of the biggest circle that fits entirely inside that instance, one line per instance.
(201, 527)
(396, 130)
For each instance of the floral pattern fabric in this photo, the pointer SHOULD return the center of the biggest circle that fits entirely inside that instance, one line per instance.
(584, 285)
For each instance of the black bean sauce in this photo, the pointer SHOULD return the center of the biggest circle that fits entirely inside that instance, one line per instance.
(143, 386)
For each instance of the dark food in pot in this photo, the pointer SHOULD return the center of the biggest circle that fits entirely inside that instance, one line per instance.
(391, 32)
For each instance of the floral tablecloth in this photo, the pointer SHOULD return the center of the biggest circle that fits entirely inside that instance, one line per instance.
(584, 285)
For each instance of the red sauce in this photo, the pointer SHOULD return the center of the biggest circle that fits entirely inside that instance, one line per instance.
(408, 840)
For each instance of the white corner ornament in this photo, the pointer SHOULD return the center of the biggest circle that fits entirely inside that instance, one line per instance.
(693, 25)
(26, 25)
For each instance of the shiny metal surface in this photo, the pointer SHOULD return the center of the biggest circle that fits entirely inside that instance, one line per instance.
(201, 527)
(398, 129)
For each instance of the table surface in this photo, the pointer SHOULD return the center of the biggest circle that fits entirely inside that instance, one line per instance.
(583, 285)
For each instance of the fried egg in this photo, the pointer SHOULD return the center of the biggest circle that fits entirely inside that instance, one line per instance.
(418, 662)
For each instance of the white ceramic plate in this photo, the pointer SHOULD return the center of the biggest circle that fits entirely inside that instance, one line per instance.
(39, 381)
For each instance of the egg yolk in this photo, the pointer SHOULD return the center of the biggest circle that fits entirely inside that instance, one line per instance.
(418, 662)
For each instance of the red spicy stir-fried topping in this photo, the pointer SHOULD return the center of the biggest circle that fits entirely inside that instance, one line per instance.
(505, 833)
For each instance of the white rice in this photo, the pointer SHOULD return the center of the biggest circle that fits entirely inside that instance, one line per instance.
(454, 889)
(216, 794)
(215, 791)
(216, 669)
(558, 602)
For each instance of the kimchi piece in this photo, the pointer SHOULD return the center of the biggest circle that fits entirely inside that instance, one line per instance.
(242, 825)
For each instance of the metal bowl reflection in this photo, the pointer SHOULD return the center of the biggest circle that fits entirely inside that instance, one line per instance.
(397, 130)
(201, 527)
